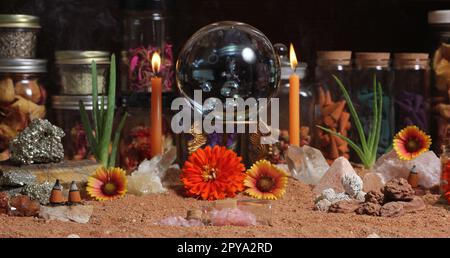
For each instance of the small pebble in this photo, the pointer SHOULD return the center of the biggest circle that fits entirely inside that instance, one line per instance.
(373, 235)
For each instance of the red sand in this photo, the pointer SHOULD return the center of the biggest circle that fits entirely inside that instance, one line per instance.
(292, 216)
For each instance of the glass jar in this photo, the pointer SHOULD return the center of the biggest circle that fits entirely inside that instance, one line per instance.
(66, 115)
(330, 107)
(368, 66)
(22, 96)
(439, 23)
(75, 71)
(146, 30)
(411, 89)
(134, 144)
(18, 35)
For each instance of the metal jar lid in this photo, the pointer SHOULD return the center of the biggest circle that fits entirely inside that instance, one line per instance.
(81, 57)
(19, 21)
(72, 102)
(439, 17)
(18, 65)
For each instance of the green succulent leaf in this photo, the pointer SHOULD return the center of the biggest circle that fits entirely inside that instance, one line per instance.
(367, 150)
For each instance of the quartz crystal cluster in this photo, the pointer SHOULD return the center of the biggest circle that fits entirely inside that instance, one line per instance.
(149, 176)
(306, 164)
(389, 166)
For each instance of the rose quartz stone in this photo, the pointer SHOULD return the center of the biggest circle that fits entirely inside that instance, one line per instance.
(233, 217)
(180, 221)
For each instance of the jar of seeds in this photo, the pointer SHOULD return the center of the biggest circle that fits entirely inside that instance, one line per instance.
(75, 72)
(22, 96)
(18, 36)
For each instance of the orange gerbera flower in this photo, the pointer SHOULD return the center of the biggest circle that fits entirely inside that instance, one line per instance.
(213, 173)
(410, 142)
(107, 184)
(265, 181)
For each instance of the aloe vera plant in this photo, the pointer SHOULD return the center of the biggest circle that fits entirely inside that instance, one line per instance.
(367, 150)
(100, 131)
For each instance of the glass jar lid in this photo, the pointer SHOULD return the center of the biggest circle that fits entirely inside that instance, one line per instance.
(72, 102)
(81, 57)
(439, 17)
(19, 21)
(19, 65)
(334, 57)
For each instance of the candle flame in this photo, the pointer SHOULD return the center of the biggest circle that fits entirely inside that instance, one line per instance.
(293, 57)
(156, 62)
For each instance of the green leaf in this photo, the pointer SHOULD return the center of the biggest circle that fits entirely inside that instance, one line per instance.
(95, 97)
(109, 116)
(112, 158)
(354, 115)
(88, 129)
(353, 145)
(379, 115)
(373, 126)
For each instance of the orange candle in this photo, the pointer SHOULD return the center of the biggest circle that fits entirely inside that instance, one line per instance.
(156, 109)
(294, 101)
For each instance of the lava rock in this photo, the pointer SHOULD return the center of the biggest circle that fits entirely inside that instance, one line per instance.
(40, 142)
(376, 197)
(417, 204)
(392, 209)
(398, 190)
(23, 206)
(369, 208)
(345, 206)
(4, 203)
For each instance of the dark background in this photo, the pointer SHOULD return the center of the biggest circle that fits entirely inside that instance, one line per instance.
(359, 25)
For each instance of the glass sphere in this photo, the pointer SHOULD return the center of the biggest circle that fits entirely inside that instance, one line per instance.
(227, 60)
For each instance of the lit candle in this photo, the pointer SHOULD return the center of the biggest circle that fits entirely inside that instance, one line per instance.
(156, 108)
(294, 101)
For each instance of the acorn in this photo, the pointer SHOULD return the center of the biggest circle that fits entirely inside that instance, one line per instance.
(74, 194)
(56, 196)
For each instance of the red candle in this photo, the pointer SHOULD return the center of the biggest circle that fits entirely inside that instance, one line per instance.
(156, 144)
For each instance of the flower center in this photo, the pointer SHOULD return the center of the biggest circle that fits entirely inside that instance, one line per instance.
(412, 145)
(265, 184)
(209, 173)
(109, 188)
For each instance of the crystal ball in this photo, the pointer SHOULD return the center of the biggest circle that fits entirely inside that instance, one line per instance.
(227, 60)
